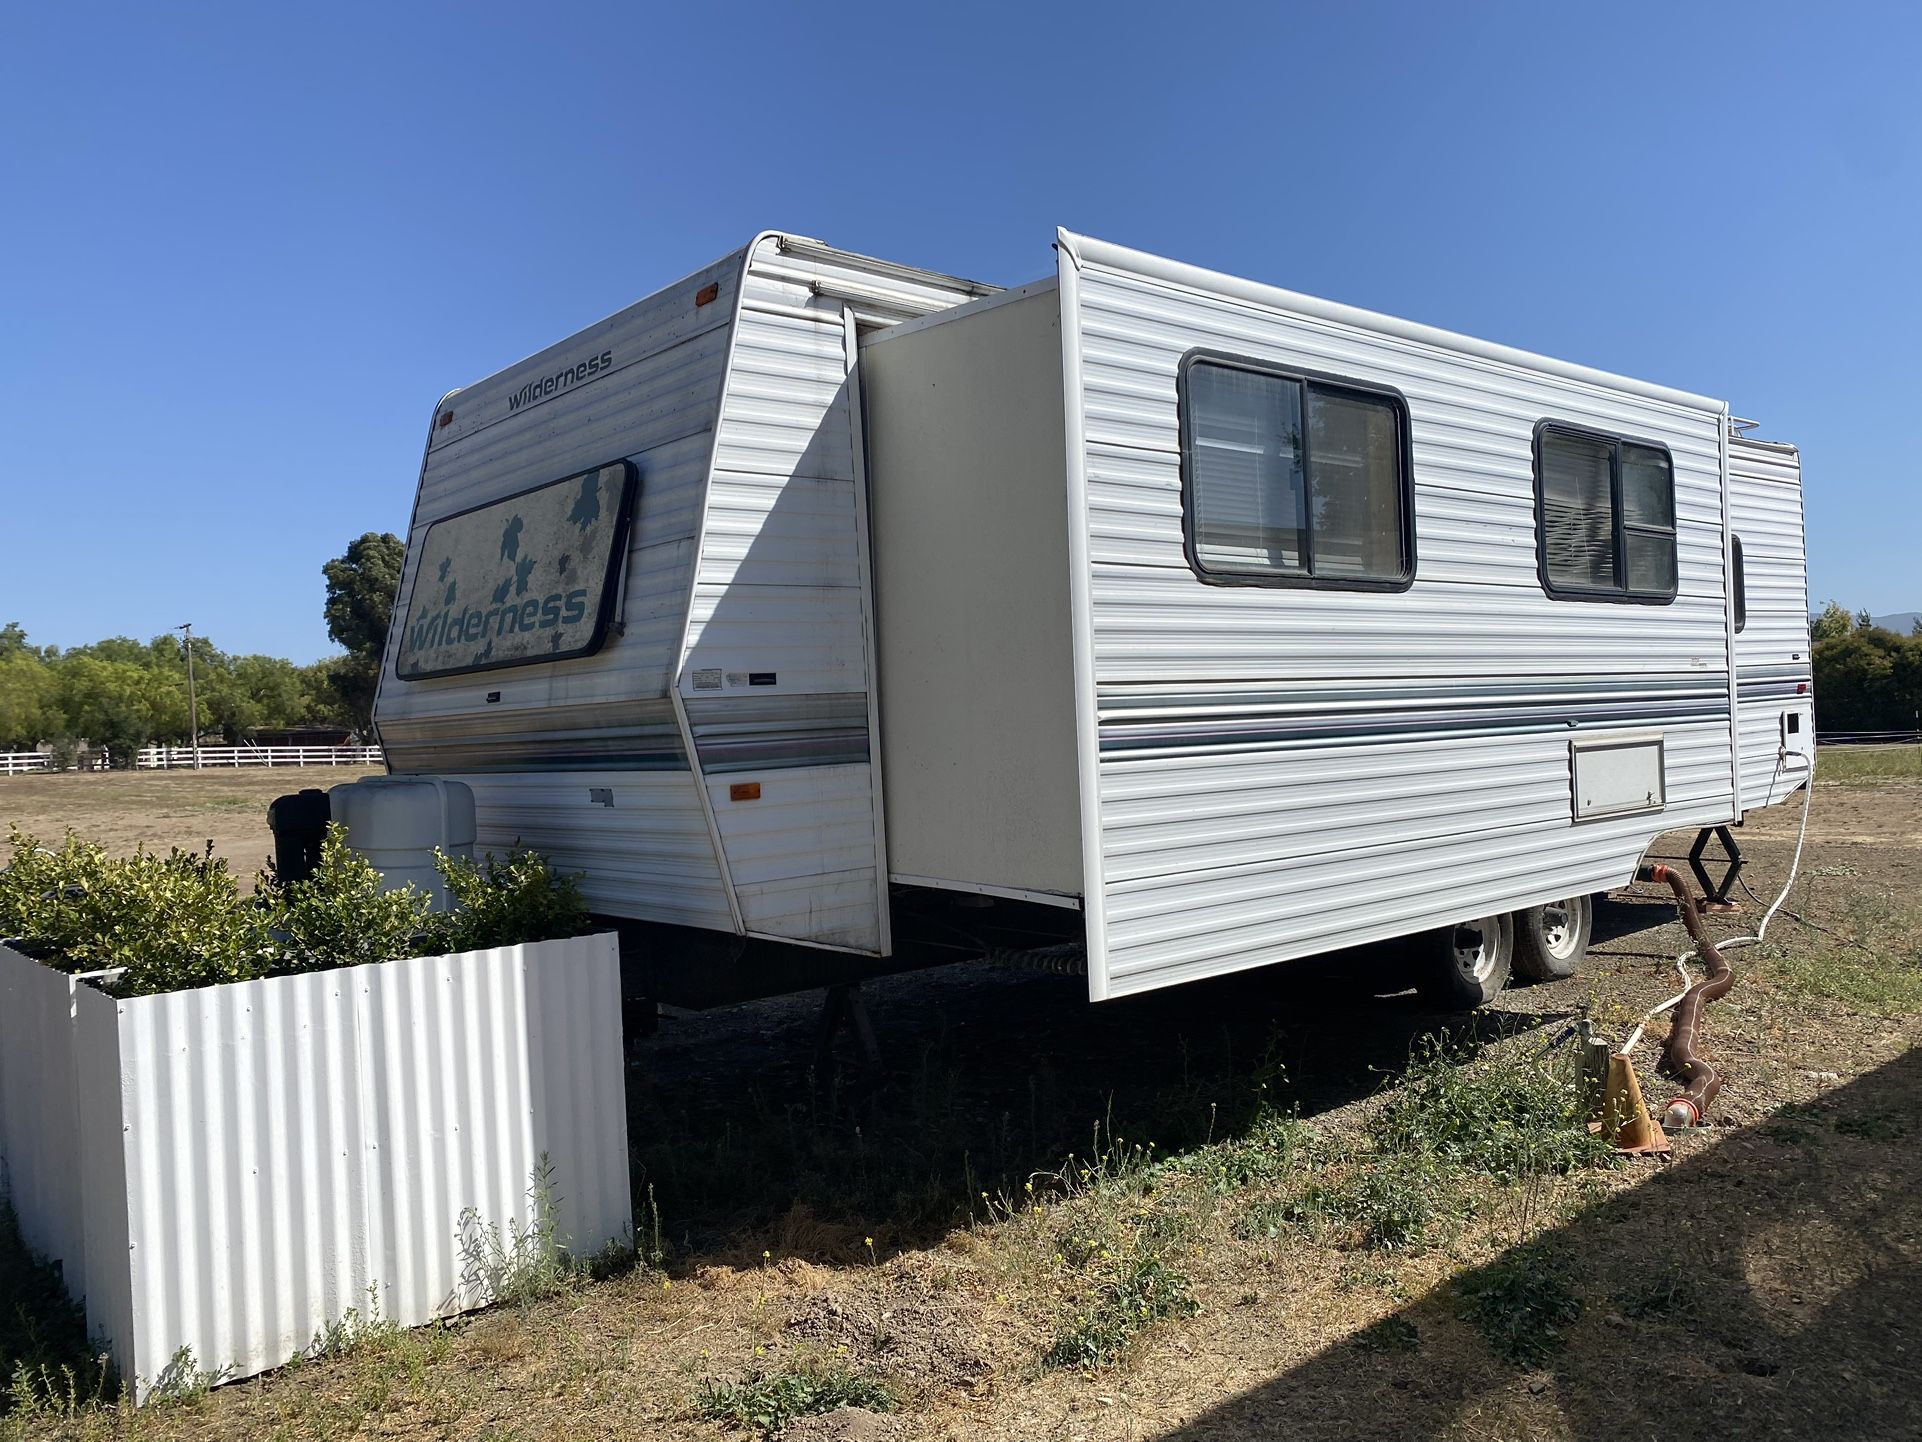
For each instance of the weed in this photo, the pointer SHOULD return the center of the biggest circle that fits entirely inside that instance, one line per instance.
(1502, 1115)
(45, 1354)
(1272, 1147)
(527, 1264)
(45, 1394)
(1794, 1123)
(1390, 1334)
(1363, 1273)
(183, 1379)
(1522, 1304)
(353, 1331)
(1392, 1203)
(1667, 1294)
(1874, 985)
(1869, 960)
(1139, 1289)
(766, 1401)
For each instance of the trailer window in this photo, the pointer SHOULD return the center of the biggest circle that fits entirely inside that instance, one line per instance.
(1293, 480)
(526, 579)
(1741, 585)
(1606, 513)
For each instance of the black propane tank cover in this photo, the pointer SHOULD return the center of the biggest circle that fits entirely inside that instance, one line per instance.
(299, 823)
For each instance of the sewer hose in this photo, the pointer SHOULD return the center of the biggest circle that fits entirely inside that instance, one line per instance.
(1701, 1082)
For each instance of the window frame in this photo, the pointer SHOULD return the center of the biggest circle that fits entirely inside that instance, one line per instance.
(1618, 527)
(1404, 457)
(1738, 581)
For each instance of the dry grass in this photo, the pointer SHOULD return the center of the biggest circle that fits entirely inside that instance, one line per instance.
(159, 809)
(1276, 1229)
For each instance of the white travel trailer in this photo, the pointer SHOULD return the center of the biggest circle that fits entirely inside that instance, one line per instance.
(830, 615)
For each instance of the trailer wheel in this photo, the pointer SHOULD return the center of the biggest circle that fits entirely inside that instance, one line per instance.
(1551, 940)
(1466, 965)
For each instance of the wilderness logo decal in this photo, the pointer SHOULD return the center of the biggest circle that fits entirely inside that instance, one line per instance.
(542, 387)
(525, 579)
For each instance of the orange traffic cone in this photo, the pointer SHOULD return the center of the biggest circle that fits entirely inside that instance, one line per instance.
(1625, 1117)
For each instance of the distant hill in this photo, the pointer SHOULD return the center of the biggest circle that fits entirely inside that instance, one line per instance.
(1901, 622)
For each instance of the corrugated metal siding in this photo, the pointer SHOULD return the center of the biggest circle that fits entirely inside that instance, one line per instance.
(284, 1148)
(40, 1110)
(1772, 654)
(1285, 770)
(779, 594)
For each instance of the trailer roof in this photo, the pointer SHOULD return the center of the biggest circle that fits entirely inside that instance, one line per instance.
(1086, 250)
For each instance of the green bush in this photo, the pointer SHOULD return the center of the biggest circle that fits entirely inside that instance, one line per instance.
(180, 920)
(503, 902)
(171, 922)
(340, 916)
(33, 886)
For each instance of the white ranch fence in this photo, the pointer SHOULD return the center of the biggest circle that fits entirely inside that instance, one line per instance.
(181, 758)
(169, 758)
(228, 1170)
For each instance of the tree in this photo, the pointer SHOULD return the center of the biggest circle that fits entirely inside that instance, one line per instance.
(1868, 679)
(1833, 624)
(13, 641)
(360, 604)
(29, 699)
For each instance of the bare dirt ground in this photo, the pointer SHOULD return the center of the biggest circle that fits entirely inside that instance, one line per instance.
(160, 809)
(822, 1217)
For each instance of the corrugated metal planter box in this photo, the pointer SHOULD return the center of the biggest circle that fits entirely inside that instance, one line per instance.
(230, 1169)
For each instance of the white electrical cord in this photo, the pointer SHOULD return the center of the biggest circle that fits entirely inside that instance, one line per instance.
(1688, 985)
(1795, 865)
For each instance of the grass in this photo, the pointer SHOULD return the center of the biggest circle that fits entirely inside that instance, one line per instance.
(938, 1237)
(1869, 960)
(1523, 1304)
(1454, 1120)
(162, 809)
(1867, 765)
(1502, 1115)
(766, 1401)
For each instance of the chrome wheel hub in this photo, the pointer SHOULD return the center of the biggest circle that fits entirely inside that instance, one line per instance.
(1558, 927)
(1474, 950)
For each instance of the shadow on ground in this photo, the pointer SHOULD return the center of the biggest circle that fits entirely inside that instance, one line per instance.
(748, 1138)
(1765, 1288)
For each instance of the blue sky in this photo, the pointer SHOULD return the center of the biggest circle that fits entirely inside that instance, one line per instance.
(243, 250)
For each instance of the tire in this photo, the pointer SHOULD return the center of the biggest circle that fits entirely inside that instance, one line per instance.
(1551, 941)
(1466, 965)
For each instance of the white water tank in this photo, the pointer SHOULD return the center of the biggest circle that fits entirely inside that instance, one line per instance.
(396, 822)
